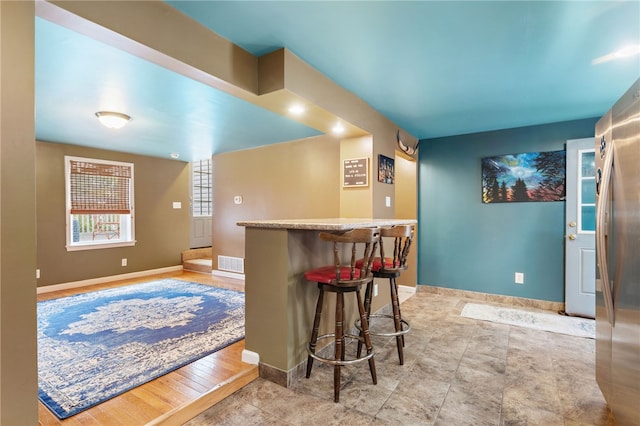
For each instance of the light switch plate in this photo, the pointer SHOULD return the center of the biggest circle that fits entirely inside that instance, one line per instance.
(177, 205)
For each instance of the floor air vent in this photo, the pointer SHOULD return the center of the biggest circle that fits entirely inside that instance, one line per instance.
(231, 264)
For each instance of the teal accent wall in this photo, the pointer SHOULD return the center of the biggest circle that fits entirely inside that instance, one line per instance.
(467, 245)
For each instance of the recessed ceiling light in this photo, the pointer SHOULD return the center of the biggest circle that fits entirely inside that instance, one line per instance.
(112, 120)
(338, 129)
(625, 52)
(296, 109)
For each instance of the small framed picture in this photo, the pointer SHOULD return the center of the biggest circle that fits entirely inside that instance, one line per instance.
(356, 172)
(386, 171)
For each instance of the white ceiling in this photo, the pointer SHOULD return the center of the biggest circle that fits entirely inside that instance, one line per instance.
(433, 68)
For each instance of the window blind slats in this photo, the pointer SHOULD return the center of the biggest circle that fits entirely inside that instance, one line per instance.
(99, 188)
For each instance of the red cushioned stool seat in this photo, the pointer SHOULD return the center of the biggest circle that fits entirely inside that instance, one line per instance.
(327, 274)
(377, 264)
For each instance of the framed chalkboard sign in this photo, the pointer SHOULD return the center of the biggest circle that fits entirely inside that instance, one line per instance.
(356, 172)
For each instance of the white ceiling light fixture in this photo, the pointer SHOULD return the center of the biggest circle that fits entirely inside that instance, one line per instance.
(112, 120)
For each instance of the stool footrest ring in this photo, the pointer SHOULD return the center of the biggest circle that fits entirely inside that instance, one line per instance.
(334, 361)
(389, 334)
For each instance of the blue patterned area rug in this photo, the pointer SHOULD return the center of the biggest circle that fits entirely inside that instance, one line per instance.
(94, 346)
(555, 323)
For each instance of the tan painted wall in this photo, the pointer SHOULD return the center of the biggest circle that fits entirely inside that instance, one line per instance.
(356, 201)
(282, 181)
(307, 82)
(161, 231)
(18, 355)
(406, 207)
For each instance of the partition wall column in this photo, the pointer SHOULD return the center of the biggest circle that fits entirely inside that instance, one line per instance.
(18, 342)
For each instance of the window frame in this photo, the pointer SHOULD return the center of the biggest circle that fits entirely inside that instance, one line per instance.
(100, 244)
(197, 169)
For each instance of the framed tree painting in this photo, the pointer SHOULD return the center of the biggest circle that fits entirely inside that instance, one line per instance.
(386, 172)
(531, 176)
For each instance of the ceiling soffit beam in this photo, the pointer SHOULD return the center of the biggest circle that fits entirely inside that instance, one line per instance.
(283, 70)
(154, 31)
(157, 32)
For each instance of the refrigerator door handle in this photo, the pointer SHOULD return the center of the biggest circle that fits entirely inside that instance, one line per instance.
(601, 245)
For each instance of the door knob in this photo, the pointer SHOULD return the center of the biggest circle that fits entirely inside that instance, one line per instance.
(572, 236)
(572, 224)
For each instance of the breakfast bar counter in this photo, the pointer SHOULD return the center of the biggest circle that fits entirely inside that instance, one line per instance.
(279, 303)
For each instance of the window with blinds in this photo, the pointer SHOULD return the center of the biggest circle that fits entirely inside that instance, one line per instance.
(202, 204)
(99, 203)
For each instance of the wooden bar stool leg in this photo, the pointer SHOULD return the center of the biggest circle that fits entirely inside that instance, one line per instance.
(367, 337)
(396, 317)
(314, 332)
(395, 283)
(339, 339)
(367, 306)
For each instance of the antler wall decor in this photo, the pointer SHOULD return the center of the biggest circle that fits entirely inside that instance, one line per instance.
(409, 150)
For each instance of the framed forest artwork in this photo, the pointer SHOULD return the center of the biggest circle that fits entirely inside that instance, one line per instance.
(531, 176)
(386, 172)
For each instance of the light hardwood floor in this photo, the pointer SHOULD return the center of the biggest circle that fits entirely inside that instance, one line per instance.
(177, 396)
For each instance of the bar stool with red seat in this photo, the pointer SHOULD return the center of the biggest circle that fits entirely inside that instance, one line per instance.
(391, 268)
(344, 277)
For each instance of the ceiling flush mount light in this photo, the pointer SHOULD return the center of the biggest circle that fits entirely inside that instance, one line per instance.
(112, 120)
(175, 155)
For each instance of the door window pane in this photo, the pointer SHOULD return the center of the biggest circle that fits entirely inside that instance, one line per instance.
(587, 192)
(202, 204)
(588, 218)
(588, 163)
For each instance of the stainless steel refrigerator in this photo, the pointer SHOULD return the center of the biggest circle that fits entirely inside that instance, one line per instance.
(618, 257)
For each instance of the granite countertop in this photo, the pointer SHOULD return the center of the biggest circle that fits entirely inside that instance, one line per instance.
(330, 224)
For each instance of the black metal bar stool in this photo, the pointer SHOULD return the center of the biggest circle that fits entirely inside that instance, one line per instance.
(340, 278)
(391, 268)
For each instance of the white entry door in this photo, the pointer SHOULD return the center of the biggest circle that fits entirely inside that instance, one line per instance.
(580, 225)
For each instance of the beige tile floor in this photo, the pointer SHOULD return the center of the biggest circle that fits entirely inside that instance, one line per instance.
(457, 371)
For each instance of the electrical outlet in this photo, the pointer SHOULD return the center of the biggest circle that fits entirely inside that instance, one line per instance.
(375, 290)
(519, 278)
(37, 273)
(124, 261)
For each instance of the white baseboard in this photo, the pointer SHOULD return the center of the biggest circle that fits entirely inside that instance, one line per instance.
(250, 357)
(92, 281)
(407, 289)
(228, 274)
(405, 292)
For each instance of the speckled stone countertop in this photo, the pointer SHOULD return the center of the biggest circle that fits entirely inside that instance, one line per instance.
(330, 224)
